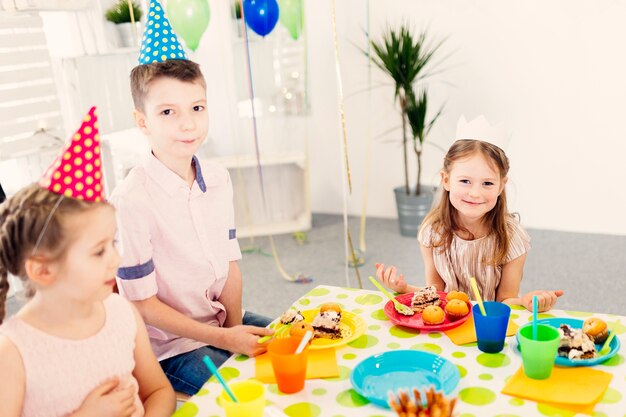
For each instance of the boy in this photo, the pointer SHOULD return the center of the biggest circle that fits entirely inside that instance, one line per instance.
(176, 220)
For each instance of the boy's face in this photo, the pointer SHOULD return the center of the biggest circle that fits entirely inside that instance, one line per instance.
(174, 118)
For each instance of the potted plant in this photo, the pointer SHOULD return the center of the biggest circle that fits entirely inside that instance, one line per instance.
(120, 14)
(406, 59)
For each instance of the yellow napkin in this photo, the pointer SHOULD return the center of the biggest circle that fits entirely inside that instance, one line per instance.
(576, 389)
(465, 333)
(321, 363)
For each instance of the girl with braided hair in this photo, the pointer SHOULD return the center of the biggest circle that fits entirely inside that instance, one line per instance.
(75, 348)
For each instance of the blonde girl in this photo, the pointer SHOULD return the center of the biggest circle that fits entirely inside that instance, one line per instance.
(471, 233)
(75, 348)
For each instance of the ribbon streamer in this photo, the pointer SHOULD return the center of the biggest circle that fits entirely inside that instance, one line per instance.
(132, 20)
(251, 94)
(300, 278)
(368, 149)
(342, 112)
(345, 173)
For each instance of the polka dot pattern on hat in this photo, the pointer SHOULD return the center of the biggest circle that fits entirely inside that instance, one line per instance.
(77, 171)
(159, 42)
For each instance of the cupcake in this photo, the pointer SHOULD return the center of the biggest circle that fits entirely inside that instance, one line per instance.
(331, 307)
(457, 295)
(300, 328)
(596, 329)
(433, 315)
(456, 309)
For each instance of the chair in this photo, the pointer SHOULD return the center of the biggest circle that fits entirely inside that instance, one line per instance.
(181, 397)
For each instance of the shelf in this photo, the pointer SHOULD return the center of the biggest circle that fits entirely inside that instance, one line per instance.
(275, 228)
(277, 158)
(283, 206)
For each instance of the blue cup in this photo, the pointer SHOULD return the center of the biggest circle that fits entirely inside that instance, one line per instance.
(491, 329)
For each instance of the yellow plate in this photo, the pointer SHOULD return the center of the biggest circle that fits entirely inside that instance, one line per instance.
(352, 327)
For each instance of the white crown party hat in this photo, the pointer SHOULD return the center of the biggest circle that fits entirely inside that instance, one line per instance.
(480, 129)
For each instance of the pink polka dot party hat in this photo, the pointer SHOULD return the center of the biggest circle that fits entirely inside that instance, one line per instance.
(77, 171)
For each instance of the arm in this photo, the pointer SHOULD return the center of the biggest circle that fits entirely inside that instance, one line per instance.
(431, 274)
(155, 391)
(508, 289)
(12, 390)
(390, 278)
(237, 339)
(231, 295)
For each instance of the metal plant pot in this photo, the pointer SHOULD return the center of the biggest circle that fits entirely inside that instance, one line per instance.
(412, 209)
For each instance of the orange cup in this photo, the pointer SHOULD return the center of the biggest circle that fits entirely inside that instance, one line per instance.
(289, 368)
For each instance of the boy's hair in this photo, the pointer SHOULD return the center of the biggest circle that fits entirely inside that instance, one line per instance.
(23, 219)
(443, 217)
(180, 69)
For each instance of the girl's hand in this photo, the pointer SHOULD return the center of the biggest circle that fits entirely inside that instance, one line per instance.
(105, 401)
(390, 279)
(545, 300)
(244, 339)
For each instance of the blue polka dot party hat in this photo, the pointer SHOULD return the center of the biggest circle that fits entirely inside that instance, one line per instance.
(159, 42)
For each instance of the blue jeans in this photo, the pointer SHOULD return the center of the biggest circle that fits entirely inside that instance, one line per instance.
(187, 372)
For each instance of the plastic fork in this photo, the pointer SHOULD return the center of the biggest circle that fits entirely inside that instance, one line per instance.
(400, 308)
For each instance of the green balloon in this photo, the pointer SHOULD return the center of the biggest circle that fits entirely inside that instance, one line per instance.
(291, 16)
(189, 18)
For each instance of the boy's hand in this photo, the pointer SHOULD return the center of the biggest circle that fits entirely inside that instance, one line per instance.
(390, 279)
(105, 401)
(245, 339)
(545, 300)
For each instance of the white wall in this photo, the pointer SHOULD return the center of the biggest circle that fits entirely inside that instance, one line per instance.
(552, 72)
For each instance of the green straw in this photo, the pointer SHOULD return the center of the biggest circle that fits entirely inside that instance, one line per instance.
(606, 347)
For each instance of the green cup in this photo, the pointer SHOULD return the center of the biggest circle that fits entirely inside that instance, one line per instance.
(538, 354)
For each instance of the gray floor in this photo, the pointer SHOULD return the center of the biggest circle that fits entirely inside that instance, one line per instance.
(591, 269)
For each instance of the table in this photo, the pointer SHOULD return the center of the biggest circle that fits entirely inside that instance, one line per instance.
(482, 375)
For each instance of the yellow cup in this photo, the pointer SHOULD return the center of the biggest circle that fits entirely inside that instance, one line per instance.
(250, 395)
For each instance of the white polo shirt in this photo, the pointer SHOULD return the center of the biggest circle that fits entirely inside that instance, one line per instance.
(176, 243)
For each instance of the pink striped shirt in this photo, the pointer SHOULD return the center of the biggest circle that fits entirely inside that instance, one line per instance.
(176, 243)
(464, 259)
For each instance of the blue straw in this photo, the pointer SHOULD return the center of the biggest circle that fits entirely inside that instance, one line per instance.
(209, 364)
(535, 303)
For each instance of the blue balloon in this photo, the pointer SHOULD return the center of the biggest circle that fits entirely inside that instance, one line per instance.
(261, 15)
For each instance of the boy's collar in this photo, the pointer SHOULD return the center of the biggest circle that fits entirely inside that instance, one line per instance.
(199, 177)
(169, 181)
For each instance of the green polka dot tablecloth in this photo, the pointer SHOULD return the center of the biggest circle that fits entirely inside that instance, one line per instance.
(482, 375)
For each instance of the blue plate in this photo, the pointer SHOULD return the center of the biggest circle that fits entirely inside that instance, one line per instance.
(576, 324)
(379, 374)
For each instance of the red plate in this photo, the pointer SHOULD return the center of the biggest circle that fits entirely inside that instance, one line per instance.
(415, 321)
